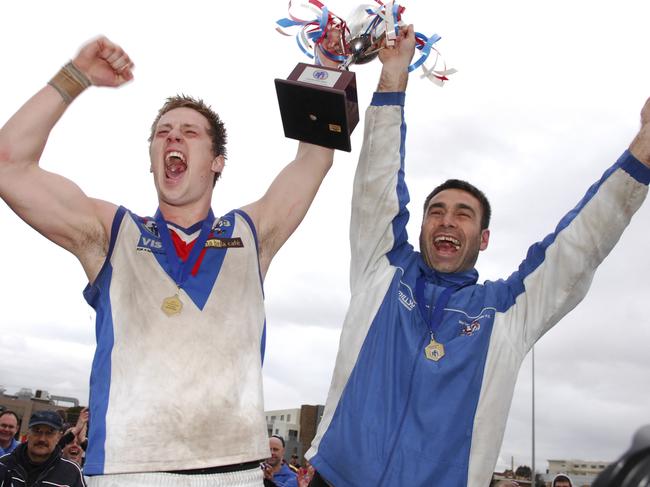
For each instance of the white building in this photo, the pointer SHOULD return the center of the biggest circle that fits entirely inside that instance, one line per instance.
(285, 423)
(582, 472)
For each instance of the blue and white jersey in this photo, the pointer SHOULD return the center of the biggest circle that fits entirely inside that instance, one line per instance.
(182, 391)
(394, 418)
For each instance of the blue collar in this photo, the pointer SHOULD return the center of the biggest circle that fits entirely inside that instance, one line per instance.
(444, 279)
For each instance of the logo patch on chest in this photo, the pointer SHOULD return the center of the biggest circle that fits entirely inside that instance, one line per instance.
(468, 329)
(405, 296)
(220, 223)
(151, 227)
(148, 244)
(223, 243)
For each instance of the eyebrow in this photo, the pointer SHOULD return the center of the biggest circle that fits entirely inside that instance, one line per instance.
(168, 125)
(459, 206)
(463, 206)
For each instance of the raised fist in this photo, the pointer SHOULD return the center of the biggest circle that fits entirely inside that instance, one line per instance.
(104, 63)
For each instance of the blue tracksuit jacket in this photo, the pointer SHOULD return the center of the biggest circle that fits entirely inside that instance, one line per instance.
(394, 418)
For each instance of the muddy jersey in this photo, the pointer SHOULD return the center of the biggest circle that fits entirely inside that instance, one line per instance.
(180, 389)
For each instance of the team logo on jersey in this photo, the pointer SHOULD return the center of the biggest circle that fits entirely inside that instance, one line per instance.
(223, 243)
(468, 329)
(151, 227)
(220, 223)
(148, 244)
(405, 296)
(217, 226)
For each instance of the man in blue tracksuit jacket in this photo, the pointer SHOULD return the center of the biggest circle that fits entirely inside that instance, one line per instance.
(428, 358)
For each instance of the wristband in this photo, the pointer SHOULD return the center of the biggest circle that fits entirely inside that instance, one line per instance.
(69, 82)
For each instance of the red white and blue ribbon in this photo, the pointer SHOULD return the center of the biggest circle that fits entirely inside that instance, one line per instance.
(313, 31)
(383, 19)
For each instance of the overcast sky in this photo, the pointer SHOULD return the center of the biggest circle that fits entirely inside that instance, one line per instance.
(546, 97)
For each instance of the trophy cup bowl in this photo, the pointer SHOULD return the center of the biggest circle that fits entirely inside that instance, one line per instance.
(360, 49)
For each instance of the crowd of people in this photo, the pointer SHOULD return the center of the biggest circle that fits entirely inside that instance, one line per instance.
(52, 453)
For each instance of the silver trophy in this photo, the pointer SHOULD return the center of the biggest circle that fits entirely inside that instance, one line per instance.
(363, 39)
(318, 104)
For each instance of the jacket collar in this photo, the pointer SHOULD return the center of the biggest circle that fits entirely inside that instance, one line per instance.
(455, 279)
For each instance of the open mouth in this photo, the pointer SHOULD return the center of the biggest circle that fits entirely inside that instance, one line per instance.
(175, 164)
(446, 243)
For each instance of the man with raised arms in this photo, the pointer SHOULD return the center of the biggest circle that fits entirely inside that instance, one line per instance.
(428, 358)
(178, 296)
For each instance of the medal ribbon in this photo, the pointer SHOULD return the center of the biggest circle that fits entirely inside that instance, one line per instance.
(433, 320)
(180, 270)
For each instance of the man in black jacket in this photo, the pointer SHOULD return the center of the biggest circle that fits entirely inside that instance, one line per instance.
(38, 462)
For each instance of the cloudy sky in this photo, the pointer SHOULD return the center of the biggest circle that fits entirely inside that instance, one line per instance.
(546, 97)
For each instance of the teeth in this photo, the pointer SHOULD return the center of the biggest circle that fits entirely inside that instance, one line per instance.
(176, 154)
(447, 238)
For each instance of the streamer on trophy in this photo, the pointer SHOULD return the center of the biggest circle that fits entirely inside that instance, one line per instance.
(358, 40)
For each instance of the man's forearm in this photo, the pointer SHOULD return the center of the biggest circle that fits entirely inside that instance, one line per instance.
(640, 146)
(393, 80)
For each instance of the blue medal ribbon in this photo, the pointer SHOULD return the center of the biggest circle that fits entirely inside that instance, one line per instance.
(433, 320)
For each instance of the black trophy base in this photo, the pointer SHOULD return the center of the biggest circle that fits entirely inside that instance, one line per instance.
(319, 105)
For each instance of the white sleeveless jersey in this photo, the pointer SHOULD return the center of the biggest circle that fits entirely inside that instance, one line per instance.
(183, 391)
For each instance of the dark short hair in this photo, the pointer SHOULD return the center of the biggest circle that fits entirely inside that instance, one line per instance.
(279, 438)
(563, 477)
(217, 131)
(486, 212)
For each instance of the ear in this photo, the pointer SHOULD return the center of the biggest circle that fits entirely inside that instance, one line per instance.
(485, 238)
(218, 164)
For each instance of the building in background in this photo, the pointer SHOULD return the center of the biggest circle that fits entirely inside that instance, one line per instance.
(582, 472)
(25, 402)
(296, 426)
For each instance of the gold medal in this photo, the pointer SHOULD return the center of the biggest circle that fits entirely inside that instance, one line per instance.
(172, 305)
(434, 350)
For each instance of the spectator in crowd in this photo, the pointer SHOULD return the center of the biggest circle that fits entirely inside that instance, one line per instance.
(276, 470)
(305, 474)
(38, 462)
(74, 451)
(8, 428)
(294, 464)
(562, 480)
(73, 443)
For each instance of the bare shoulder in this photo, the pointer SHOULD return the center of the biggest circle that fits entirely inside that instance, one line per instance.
(264, 233)
(94, 238)
(105, 211)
